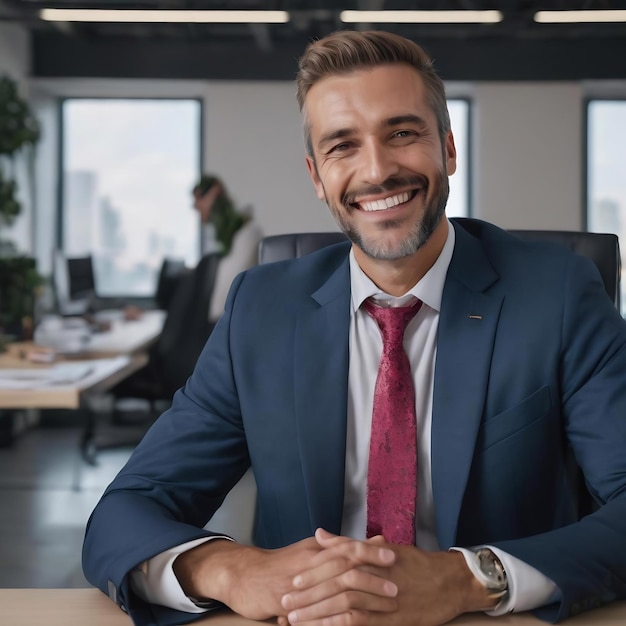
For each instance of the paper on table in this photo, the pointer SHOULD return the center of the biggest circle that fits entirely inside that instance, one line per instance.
(59, 374)
(22, 379)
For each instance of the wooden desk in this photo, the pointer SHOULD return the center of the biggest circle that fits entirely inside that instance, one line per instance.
(124, 337)
(130, 338)
(90, 607)
(71, 396)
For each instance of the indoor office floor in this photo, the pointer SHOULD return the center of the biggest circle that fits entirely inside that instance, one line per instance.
(47, 493)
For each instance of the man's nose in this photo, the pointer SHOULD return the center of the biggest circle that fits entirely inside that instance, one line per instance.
(378, 163)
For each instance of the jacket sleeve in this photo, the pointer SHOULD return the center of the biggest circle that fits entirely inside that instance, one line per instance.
(587, 559)
(174, 481)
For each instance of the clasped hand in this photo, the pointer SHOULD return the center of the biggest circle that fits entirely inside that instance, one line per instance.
(330, 580)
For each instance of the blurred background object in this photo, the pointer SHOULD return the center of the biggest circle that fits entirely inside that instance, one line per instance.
(233, 234)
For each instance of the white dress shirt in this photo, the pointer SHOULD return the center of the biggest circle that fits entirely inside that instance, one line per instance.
(528, 588)
(243, 254)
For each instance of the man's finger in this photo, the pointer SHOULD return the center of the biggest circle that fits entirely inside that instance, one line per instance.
(358, 552)
(328, 587)
(345, 602)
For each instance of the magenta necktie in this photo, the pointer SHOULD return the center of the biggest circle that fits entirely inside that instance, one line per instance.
(392, 470)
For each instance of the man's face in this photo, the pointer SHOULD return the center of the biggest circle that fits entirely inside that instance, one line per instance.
(377, 159)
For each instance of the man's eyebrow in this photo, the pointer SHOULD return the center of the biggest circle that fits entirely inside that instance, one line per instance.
(409, 118)
(397, 120)
(340, 133)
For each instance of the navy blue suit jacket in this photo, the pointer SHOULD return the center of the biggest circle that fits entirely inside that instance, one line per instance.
(531, 360)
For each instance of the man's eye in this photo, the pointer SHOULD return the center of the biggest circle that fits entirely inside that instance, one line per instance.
(340, 147)
(404, 133)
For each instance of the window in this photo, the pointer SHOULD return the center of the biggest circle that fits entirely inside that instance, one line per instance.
(606, 179)
(458, 202)
(128, 167)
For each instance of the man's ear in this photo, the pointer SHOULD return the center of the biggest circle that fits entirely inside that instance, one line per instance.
(450, 154)
(317, 183)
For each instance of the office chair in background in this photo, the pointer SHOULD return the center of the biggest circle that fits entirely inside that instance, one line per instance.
(602, 249)
(172, 270)
(170, 362)
(187, 326)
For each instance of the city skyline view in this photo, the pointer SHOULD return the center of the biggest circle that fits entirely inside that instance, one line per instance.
(127, 192)
(606, 173)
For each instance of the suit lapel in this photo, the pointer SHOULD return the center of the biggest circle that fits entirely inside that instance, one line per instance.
(321, 380)
(467, 327)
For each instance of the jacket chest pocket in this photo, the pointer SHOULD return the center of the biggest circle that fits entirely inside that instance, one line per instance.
(512, 421)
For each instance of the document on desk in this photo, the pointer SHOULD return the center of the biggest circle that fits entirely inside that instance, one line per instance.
(63, 374)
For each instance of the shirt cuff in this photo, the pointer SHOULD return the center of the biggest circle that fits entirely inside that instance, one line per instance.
(155, 582)
(528, 587)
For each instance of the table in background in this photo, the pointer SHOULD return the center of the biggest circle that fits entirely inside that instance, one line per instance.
(124, 337)
(90, 607)
(105, 373)
(127, 339)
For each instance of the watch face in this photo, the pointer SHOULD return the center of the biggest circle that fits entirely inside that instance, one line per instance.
(492, 568)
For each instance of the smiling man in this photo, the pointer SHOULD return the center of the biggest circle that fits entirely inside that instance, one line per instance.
(406, 401)
(379, 162)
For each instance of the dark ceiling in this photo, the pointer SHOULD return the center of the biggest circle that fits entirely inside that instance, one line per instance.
(515, 49)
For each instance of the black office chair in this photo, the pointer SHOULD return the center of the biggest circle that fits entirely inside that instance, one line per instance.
(169, 274)
(185, 331)
(170, 362)
(602, 249)
(187, 326)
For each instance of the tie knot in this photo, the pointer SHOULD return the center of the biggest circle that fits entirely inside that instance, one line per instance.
(392, 321)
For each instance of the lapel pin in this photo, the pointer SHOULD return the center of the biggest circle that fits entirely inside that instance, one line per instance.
(475, 317)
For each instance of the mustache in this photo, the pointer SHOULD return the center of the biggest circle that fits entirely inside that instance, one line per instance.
(391, 184)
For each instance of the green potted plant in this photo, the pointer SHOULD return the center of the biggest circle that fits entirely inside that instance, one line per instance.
(18, 276)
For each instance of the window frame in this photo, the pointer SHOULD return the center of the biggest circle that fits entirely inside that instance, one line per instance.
(60, 196)
(470, 140)
(588, 100)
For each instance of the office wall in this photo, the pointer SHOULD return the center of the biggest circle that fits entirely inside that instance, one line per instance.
(528, 154)
(253, 136)
(14, 49)
(527, 148)
(15, 63)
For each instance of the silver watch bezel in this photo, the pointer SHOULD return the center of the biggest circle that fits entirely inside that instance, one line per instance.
(493, 570)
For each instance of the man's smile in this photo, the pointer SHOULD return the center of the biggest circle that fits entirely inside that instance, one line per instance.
(383, 204)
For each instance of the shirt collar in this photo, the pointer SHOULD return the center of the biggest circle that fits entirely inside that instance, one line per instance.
(429, 289)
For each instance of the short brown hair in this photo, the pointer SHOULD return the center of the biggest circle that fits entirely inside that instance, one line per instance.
(347, 50)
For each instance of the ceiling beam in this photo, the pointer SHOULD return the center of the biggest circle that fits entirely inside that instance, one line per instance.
(456, 59)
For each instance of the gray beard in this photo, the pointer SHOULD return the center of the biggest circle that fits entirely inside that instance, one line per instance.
(418, 236)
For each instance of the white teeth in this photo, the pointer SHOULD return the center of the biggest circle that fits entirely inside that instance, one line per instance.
(385, 203)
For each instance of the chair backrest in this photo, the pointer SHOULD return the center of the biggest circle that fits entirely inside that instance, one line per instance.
(291, 246)
(601, 248)
(169, 274)
(186, 326)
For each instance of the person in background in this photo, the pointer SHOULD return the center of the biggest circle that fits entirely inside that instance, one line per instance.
(407, 400)
(235, 232)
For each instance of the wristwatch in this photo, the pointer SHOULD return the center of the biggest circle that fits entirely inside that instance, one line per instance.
(490, 572)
